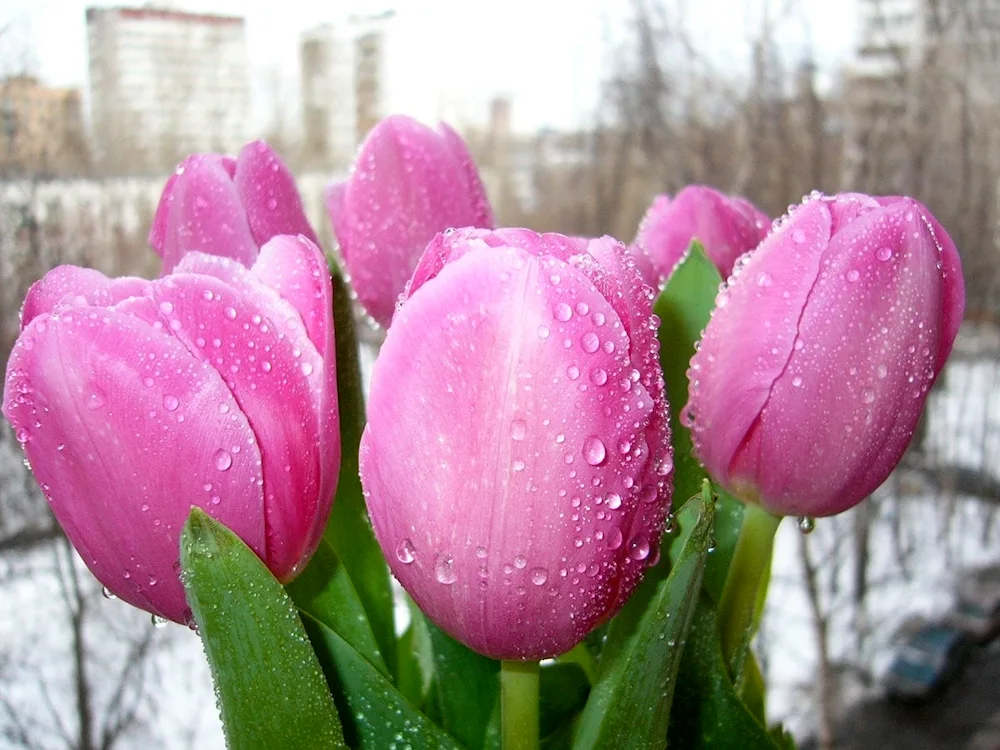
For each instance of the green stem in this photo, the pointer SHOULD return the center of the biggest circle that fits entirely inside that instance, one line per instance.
(519, 704)
(750, 563)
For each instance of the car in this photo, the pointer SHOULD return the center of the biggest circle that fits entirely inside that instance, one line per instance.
(977, 607)
(926, 661)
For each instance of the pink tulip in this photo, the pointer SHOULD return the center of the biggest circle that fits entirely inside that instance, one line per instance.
(726, 226)
(230, 207)
(814, 369)
(517, 462)
(409, 183)
(213, 386)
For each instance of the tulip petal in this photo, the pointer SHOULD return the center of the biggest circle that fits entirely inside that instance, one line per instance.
(860, 373)
(72, 286)
(474, 364)
(273, 204)
(90, 385)
(776, 280)
(201, 210)
(296, 269)
(277, 384)
(481, 212)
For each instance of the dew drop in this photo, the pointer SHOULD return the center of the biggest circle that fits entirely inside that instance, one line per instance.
(170, 403)
(231, 313)
(598, 376)
(543, 332)
(307, 368)
(95, 400)
(539, 576)
(520, 562)
(806, 524)
(518, 429)
(589, 342)
(638, 548)
(613, 501)
(166, 308)
(883, 253)
(594, 452)
(598, 318)
(265, 366)
(573, 372)
(883, 371)
(106, 593)
(853, 275)
(582, 308)
(444, 570)
(868, 397)
(518, 465)
(665, 465)
(405, 552)
(562, 312)
(223, 460)
(798, 236)
(797, 381)
(764, 279)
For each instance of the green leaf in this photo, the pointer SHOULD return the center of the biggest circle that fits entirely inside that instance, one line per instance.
(324, 590)
(349, 531)
(467, 686)
(563, 689)
(728, 520)
(415, 658)
(752, 690)
(270, 687)
(684, 308)
(375, 714)
(707, 714)
(630, 704)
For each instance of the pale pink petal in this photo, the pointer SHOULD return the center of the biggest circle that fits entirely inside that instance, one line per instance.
(272, 201)
(125, 432)
(523, 456)
(72, 286)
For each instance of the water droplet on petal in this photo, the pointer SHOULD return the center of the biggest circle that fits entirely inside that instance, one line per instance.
(223, 460)
(520, 562)
(539, 576)
(307, 368)
(518, 429)
(615, 539)
(853, 275)
(543, 332)
(598, 376)
(806, 524)
(170, 403)
(444, 570)
(638, 548)
(594, 451)
(613, 501)
(562, 312)
(166, 308)
(231, 313)
(797, 381)
(405, 552)
(883, 253)
(868, 397)
(589, 342)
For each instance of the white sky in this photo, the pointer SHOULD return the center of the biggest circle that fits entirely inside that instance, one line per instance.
(548, 55)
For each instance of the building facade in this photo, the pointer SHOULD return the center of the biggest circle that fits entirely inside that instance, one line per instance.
(164, 84)
(41, 130)
(344, 94)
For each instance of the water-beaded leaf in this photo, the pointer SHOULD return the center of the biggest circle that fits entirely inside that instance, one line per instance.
(349, 531)
(684, 308)
(325, 591)
(376, 715)
(629, 705)
(270, 687)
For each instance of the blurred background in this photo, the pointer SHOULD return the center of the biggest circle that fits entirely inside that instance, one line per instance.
(578, 112)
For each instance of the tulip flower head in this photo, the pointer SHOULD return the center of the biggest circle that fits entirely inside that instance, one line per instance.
(517, 463)
(727, 226)
(229, 207)
(409, 183)
(213, 386)
(811, 376)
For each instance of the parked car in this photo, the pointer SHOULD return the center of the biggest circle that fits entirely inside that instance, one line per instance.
(977, 609)
(926, 661)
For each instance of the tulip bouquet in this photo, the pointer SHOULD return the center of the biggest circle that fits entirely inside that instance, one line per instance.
(573, 459)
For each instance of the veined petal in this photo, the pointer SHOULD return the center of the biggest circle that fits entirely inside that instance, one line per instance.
(125, 432)
(520, 412)
(72, 286)
(272, 201)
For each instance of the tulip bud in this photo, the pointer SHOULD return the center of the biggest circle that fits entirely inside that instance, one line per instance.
(213, 386)
(813, 371)
(230, 207)
(517, 462)
(726, 226)
(409, 183)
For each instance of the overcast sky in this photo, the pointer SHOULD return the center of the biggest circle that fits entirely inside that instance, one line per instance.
(547, 55)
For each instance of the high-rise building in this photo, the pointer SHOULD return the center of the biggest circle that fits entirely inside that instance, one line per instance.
(41, 130)
(344, 70)
(164, 84)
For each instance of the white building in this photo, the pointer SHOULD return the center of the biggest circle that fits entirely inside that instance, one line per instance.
(164, 84)
(345, 71)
